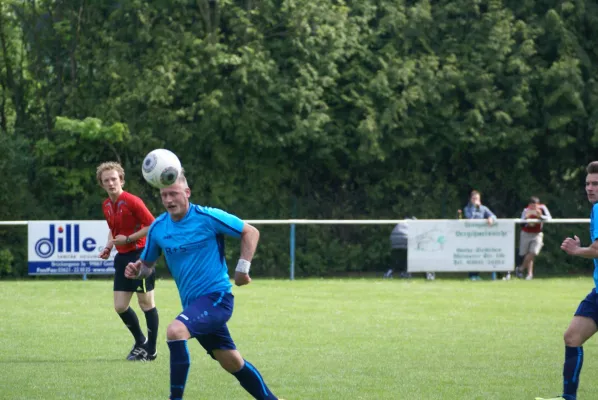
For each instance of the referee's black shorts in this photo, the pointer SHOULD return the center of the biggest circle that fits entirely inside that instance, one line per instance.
(123, 284)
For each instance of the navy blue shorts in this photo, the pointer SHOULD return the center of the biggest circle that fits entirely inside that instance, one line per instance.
(206, 319)
(589, 307)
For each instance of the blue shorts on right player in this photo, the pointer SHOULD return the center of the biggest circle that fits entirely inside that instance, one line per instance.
(191, 237)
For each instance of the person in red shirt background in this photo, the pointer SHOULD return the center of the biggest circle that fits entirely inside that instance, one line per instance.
(129, 220)
(532, 238)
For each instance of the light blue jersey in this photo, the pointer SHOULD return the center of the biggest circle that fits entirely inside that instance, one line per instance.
(594, 237)
(194, 249)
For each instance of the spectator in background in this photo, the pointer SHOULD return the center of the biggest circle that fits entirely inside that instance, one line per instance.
(531, 238)
(475, 210)
(398, 250)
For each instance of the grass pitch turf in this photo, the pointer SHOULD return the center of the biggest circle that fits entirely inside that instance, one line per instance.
(311, 340)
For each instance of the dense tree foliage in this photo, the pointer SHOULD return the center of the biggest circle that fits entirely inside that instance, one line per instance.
(301, 108)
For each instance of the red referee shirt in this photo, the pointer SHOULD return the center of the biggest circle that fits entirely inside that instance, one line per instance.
(125, 216)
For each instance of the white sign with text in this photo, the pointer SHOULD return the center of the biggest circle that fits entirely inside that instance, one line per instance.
(460, 245)
(68, 247)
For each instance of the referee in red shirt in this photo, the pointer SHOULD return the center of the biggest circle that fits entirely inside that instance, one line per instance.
(129, 220)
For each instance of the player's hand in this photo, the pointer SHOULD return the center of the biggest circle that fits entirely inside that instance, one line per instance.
(120, 240)
(132, 269)
(571, 246)
(490, 220)
(242, 279)
(533, 215)
(105, 253)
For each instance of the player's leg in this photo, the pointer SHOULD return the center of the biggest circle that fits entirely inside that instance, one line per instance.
(248, 376)
(582, 327)
(214, 336)
(579, 331)
(129, 318)
(201, 317)
(177, 336)
(534, 249)
(145, 298)
(528, 264)
(221, 347)
(123, 291)
(401, 257)
(524, 242)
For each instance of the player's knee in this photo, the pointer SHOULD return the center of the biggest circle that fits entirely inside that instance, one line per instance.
(572, 339)
(121, 307)
(146, 304)
(177, 331)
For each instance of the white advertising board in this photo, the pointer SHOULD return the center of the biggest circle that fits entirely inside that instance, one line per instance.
(68, 247)
(460, 245)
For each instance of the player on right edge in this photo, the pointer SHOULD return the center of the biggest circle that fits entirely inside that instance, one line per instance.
(585, 322)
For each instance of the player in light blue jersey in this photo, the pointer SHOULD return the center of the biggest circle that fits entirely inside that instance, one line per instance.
(191, 237)
(585, 321)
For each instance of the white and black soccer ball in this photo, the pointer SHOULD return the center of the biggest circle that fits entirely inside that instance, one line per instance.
(161, 168)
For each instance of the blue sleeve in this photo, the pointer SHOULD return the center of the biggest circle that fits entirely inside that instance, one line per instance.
(488, 213)
(152, 249)
(225, 223)
(594, 232)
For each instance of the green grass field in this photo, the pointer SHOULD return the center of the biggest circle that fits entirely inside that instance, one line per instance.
(312, 339)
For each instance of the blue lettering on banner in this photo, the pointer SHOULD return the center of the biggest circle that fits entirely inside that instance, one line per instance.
(63, 240)
(63, 250)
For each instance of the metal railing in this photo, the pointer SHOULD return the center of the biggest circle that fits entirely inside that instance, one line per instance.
(294, 222)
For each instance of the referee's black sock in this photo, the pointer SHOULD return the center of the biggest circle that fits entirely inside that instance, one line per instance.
(151, 318)
(132, 322)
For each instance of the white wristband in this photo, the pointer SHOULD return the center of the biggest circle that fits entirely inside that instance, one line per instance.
(243, 266)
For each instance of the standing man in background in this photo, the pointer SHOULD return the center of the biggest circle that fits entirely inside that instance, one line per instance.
(531, 239)
(475, 210)
(129, 220)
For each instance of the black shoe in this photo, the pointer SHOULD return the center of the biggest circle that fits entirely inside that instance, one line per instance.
(138, 352)
(151, 357)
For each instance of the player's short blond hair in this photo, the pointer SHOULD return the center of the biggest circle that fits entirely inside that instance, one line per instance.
(182, 179)
(110, 166)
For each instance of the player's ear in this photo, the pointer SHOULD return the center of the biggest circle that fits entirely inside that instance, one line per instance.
(187, 192)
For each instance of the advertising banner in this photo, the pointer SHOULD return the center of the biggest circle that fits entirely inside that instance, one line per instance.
(68, 247)
(460, 245)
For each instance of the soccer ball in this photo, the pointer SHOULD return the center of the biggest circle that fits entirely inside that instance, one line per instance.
(161, 168)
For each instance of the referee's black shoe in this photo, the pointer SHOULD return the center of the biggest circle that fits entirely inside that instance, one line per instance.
(138, 352)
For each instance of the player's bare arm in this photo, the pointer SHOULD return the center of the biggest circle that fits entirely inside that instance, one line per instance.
(572, 246)
(139, 269)
(249, 239)
(105, 253)
(121, 240)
